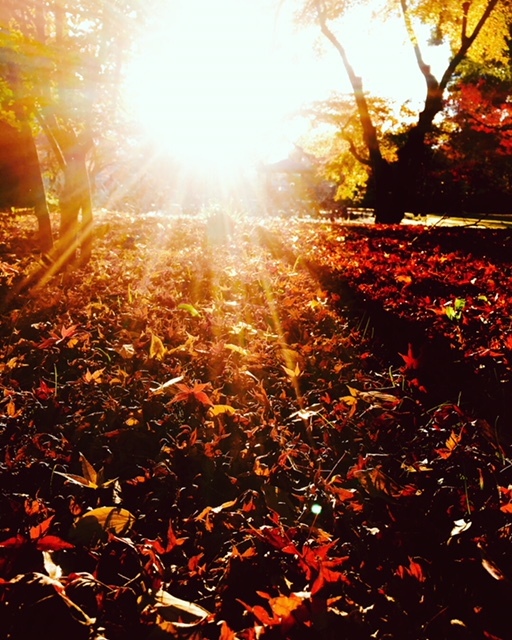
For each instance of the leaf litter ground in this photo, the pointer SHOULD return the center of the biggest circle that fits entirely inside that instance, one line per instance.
(200, 440)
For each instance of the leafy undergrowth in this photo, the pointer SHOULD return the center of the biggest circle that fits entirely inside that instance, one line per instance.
(446, 291)
(195, 443)
(453, 281)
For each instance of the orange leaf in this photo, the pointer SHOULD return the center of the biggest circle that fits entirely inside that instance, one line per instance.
(283, 606)
(260, 613)
(416, 571)
(11, 409)
(172, 540)
(453, 440)
(342, 494)
(13, 543)
(506, 508)
(202, 398)
(226, 633)
(41, 529)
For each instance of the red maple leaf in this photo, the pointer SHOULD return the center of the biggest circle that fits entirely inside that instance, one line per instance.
(414, 570)
(195, 393)
(412, 362)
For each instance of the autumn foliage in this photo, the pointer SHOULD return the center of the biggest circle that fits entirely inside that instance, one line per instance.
(200, 439)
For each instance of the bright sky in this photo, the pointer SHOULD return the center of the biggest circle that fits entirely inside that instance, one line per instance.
(215, 81)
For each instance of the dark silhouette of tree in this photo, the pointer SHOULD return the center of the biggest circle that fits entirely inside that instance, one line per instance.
(394, 183)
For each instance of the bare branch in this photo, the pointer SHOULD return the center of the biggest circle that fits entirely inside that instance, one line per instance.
(412, 34)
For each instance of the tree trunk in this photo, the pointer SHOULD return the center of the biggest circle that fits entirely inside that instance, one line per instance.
(395, 185)
(30, 185)
(37, 194)
(76, 199)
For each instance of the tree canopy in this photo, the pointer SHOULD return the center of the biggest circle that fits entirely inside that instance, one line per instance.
(68, 60)
(476, 32)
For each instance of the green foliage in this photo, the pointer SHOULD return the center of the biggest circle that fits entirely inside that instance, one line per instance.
(454, 310)
(69, 60)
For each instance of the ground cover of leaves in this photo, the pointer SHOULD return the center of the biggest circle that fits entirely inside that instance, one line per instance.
(195, 442)
(453, 281)
(445, 290)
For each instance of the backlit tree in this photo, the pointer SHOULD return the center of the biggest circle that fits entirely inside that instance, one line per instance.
(475, 30)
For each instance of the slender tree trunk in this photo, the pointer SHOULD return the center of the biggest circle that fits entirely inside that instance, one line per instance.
(32, 180)
(387, 194)
(36, 192)
(75, 201)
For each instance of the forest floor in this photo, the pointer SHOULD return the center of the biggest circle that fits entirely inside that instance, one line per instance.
(225, 429)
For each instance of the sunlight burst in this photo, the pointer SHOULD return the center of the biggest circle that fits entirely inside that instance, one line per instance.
(219, 86)
(210, 87)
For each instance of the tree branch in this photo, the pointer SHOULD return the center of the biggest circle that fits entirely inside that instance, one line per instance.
(434, 92)
(51, 139)
(466, 41)
(369, 131)
(493, 127)
(354, 151)
(465, 11)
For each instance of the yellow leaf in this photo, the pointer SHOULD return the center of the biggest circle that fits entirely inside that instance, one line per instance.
(236, 349)
(180, 612)
(94, 525)
(378, 398)
(453, 440)
(76, 479)
(460, 526)
(126, 351)
(93, 377)
(13, 363)
(166, 385)
(190, 309)
(292, 373)
(493, 569)
(261, 469)
(88, 471)
(157, 348)
(220, 409)
(283, 606)
(403, 278)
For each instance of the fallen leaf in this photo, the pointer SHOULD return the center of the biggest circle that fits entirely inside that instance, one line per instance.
(94, 525)
(180, 612)
(157, 348)
(460, 526)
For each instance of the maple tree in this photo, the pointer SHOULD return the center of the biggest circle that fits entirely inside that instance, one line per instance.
(474, 30)
(479, 128)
